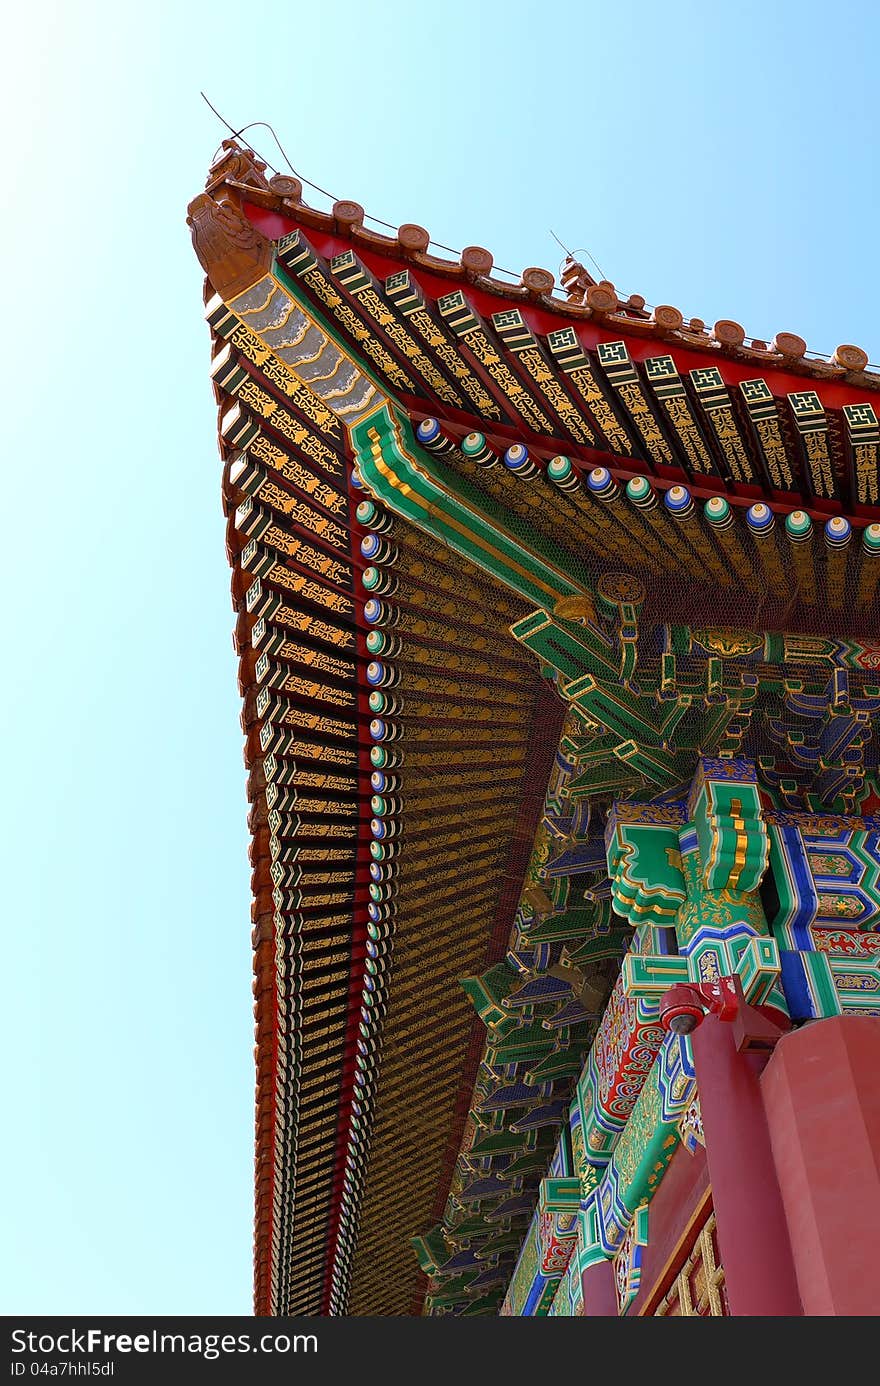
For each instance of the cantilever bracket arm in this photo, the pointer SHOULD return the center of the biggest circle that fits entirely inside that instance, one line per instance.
(753, 1029)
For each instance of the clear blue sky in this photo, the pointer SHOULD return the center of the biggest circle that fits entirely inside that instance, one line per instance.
(719, 158)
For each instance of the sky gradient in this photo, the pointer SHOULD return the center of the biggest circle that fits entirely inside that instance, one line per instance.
(720, 159)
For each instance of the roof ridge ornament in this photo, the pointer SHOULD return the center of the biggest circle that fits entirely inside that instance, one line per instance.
(238, 165)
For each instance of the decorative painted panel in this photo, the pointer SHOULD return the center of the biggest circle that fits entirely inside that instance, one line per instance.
(698, 1290)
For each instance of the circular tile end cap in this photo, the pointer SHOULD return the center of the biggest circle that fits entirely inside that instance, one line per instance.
(348, 214)
(789, 344)
(476, 260)
(729, 333)
(413, 239)
(667, 317)
(538, 281)
(852, 358)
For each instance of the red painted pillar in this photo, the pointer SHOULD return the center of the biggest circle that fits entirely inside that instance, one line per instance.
(822, 1096)
(600, 1293)
(752, 1230)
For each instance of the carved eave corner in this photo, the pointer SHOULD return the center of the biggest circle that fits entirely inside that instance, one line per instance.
(231, 251)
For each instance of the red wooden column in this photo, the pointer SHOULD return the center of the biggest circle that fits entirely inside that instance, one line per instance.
(822, 1094)
(752, 1231)
(600, 1293)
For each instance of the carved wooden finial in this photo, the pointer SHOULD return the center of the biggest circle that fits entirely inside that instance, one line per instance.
(231, 251)
(575, 279)
(237, 165)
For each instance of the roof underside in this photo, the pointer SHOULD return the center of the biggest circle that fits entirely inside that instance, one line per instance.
(357, 1151)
